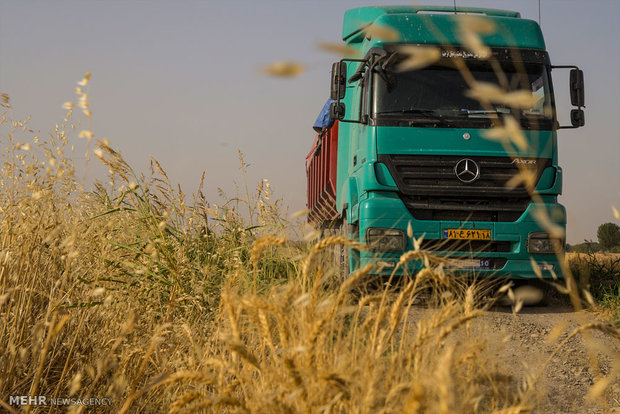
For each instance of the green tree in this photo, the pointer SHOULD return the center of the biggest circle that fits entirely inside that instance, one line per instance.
(608, 235)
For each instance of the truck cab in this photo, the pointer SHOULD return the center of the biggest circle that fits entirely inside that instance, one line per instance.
(445, 141)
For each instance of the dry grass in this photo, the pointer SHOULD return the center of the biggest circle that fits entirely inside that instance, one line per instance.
(130, 292)
(598, 276)
(127, 292)
(602, 257)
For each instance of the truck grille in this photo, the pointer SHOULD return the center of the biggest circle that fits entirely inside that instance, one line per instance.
(431, 190)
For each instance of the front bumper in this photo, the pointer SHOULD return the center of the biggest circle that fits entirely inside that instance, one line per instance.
(505, 255)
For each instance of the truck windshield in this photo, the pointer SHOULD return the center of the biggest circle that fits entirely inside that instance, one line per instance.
(437, 94)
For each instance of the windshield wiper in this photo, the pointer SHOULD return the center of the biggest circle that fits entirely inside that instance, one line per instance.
(436, 120)
(480, 113)
(424, 116)
(440, 117)
(415, 111)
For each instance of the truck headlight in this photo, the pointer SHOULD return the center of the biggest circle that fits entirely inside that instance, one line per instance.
(386, 239)
(542, 242)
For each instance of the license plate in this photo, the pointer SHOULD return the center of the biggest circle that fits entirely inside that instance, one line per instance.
(469, 264)
(467, 234)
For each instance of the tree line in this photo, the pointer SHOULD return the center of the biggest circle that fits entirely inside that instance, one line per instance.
(608, 235)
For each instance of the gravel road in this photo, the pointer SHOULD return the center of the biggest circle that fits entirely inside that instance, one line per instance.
(518, 345)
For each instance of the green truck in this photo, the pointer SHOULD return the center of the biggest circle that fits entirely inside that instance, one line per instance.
(407, 148)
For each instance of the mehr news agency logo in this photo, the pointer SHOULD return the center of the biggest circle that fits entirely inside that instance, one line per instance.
(42, 401)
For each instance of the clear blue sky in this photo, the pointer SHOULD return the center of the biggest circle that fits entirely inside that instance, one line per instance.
(179, 80)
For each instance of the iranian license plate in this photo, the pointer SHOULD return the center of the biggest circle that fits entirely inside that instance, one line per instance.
(467, 234)
(469, 264)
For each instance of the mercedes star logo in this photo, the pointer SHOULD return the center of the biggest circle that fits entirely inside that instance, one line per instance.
(467, 170)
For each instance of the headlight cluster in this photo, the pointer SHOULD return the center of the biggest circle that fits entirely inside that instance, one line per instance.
(386, 239)
(542, 242)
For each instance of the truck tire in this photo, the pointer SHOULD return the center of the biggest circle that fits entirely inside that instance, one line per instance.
(339, 254)
(343, 253)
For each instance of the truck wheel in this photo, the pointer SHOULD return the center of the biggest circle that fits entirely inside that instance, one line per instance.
(344, 259)
(343, 255)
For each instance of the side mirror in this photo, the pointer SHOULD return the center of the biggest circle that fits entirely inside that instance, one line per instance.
(577, 97)
(336, 111)
(338, 84)
(577, 118)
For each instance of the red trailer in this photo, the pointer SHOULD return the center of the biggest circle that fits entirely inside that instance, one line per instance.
(321, 175)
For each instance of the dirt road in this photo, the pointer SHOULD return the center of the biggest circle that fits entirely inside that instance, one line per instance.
(521, 344)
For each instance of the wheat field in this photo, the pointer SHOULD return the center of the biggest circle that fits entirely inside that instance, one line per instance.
(132, 291)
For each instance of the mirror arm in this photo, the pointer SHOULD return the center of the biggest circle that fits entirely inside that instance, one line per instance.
(387, 61)
(359, 72)
(375, 51)
(564, 67)
(357, 75)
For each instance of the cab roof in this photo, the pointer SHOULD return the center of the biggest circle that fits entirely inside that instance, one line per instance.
(439, 25)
